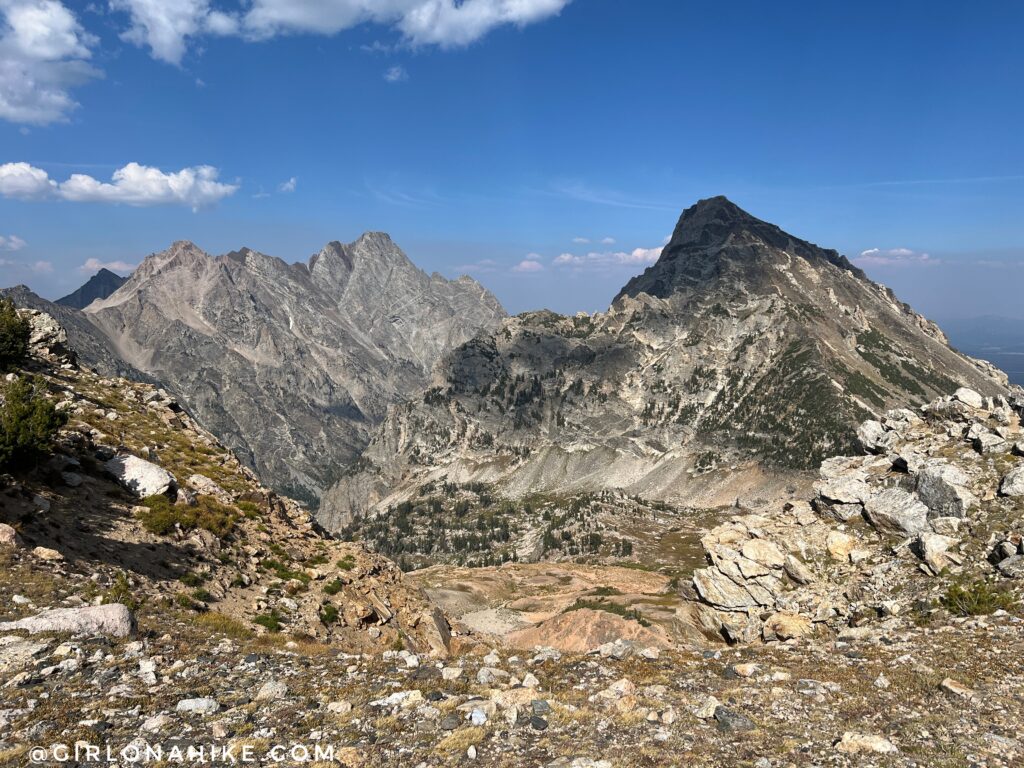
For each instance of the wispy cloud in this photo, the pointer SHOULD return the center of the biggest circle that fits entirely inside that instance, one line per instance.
(935, 182)
(482, 267)
(11, 243)
(586, 193)
(895, 257)
(95, 265)
(36, 267)
(396, 74)
(288, 187)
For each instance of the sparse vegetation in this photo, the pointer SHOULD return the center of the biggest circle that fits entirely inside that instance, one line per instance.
(976, 598)
(14, 335)
(28, 422)
(163, 517)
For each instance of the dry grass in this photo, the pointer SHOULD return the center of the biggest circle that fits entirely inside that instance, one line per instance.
(461, 740)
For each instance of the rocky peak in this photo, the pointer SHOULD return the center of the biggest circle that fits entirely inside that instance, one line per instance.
(715, 235)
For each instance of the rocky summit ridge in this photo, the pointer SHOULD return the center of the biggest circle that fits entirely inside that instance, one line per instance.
(728, 369)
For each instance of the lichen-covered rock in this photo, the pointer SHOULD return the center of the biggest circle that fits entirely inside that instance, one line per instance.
(943, 488)
(896, 511)
(1013, 483)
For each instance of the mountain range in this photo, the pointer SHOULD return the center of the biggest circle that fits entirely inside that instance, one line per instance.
(723, 372)
(291, 365)
(99, 286)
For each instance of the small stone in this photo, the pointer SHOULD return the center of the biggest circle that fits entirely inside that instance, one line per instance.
(731, 721)
(707, 710)
(451, 673)
(839, 545)
(202, 706)
(450, 723)
(855, 743)
(8, 537)
(340, 707)
(50, 555)
(157, 723)
(530, 681)
(272, 690)
(478, 717)
(538, 723)
(956, 688)
(471, 752)
(1013, 484)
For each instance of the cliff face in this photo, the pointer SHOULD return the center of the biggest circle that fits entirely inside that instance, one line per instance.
(292, 365)
(741, 359)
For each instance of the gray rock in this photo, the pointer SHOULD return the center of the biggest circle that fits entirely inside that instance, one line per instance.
(717, 589)
(141, 477)
(1012, 567)
(874, 437)
(731, 721)
(896, 510)
(114, 620)
(201, 706)
(1013, 483)
(990, 442)
(932, 547)
(943, 489)
(272, 690)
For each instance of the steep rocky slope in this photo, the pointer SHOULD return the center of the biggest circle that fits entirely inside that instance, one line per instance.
(734, 364)
(139, 504)
(291, 365)
(99, 286)
(879, 625)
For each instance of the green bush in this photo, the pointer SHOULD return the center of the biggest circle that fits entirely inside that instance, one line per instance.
(162, 516)
(14, 334)
(976, 598)
(334, 587)
(271, 621)
(328, 613)
(28, 423)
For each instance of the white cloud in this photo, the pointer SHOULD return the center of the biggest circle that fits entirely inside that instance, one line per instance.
(44, 53)
(134, 184)
(166, 26)
(396, 75)
(894, 257)
(530, 264)
(11, 243)
(42, 267)
(288, 186)
(608, 241)
(581, 240)
(25, 182)
(606, 259)
(95, 265)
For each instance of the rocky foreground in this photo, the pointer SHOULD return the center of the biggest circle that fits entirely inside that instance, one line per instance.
(877, 623)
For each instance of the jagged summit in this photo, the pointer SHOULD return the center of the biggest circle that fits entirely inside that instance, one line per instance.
(715, 234)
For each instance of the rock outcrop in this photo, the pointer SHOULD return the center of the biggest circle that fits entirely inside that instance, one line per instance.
(926, 507)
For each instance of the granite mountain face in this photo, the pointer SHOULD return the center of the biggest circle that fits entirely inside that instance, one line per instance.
(725, 371)
(291, 365)
(99, 286)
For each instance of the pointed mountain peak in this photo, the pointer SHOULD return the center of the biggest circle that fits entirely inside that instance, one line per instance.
(713, 220)
(716, 235)
(99, 286)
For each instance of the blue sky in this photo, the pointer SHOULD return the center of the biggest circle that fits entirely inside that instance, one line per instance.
(495, 136)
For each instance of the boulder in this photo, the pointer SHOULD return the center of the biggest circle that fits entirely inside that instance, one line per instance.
(785, 626)
(141, 477)
(897, 511)
(969, 397)
(8, 537)
(1013, 483)
(874, 436)
(943, 489)
(932, 547)
(114, 620)
(717, 589)
(989, 442)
